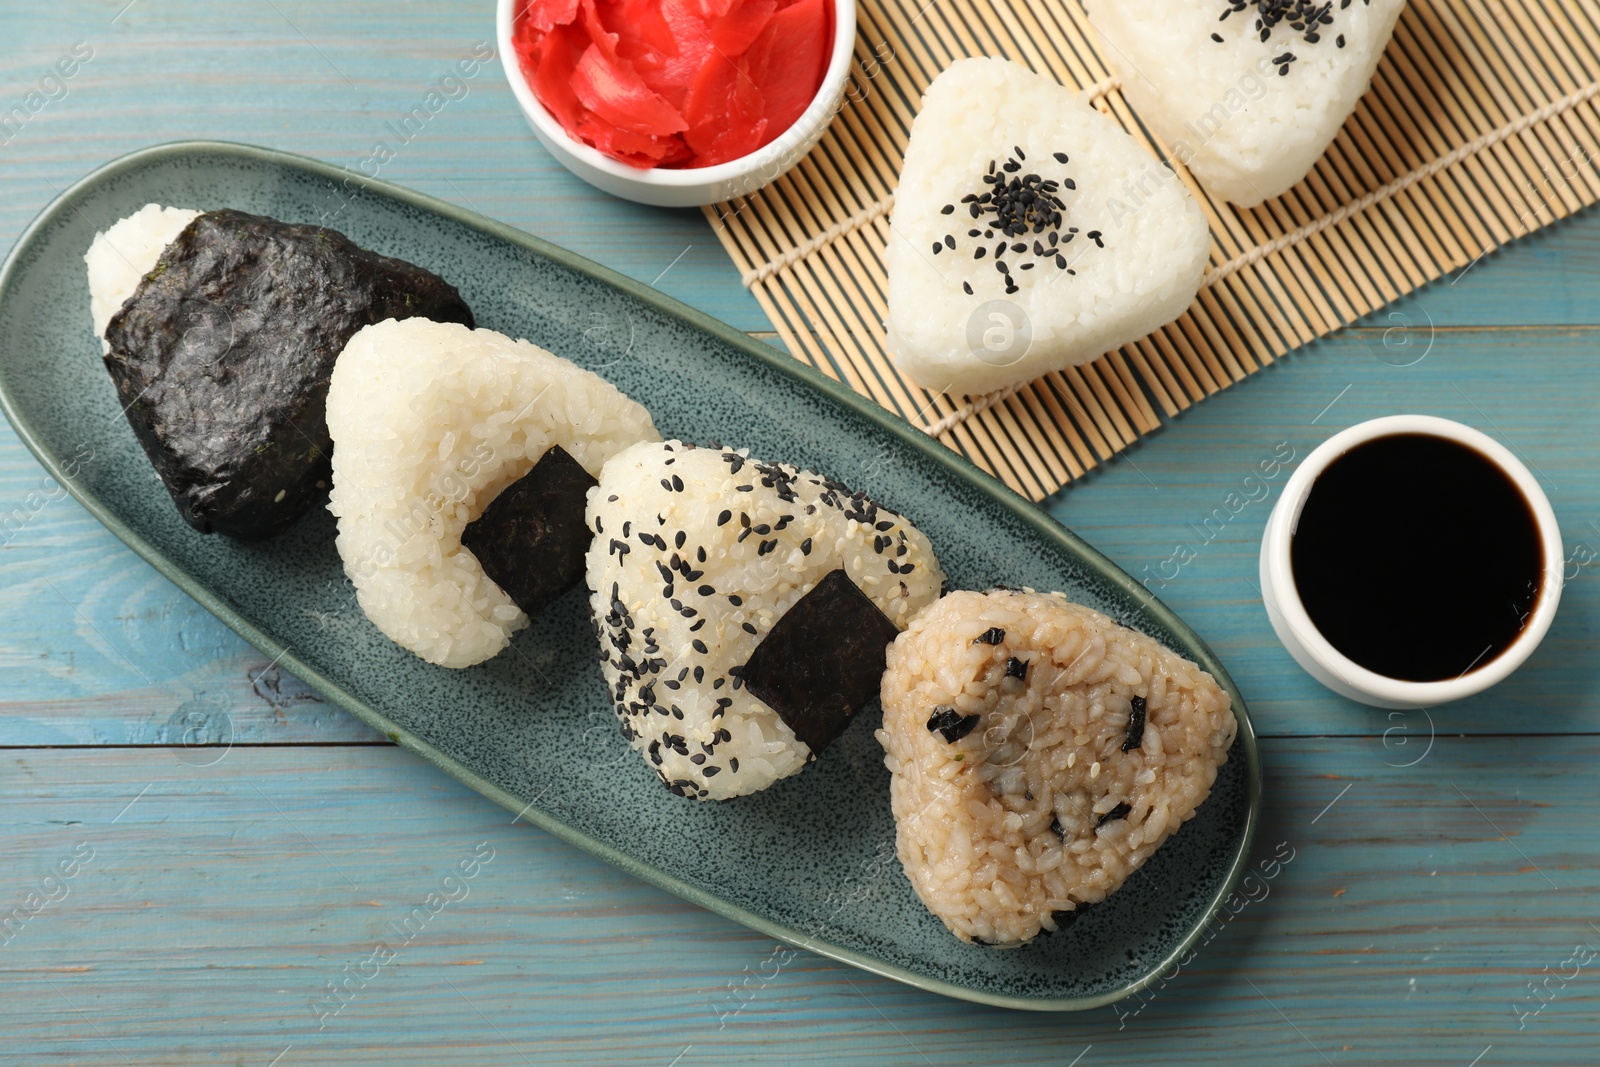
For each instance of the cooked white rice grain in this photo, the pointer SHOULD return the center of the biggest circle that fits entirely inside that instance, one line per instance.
(1246, 132)
(120, 257)
(1155, 241)
(430, 421)
(1023, 788)
(698, 553)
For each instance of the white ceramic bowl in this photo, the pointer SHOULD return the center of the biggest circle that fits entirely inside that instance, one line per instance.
(1330, 666)
(671, 187)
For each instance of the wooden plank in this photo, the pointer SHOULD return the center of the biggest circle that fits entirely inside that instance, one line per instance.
(329, 80)
(204, 921)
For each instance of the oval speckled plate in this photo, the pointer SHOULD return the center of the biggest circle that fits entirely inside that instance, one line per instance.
(811, 860)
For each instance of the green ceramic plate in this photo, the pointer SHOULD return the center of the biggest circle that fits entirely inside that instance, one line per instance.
(810, 861)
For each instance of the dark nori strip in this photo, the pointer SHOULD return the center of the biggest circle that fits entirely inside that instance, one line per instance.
(1135, 736)
(531, 539)
(1015, 668)
(992, 636)
(950, 722)
(822, 661)
(1119, 812)
(221, 359)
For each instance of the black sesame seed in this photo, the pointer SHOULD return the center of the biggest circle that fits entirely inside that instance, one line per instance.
(967, 287)
(1061, 157)
(947, 209)
(938, 247)
(1217, 37)
(949, 242)
(722, 519)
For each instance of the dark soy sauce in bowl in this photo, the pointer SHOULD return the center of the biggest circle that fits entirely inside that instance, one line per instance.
(1417, 557)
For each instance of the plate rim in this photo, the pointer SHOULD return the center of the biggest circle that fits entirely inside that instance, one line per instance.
(1040, 522)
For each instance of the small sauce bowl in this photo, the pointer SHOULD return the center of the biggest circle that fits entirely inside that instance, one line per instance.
(1316, 653)
(685, 187)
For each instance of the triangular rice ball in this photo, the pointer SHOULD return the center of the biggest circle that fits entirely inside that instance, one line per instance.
(1039, 753)
(1030, 233)
(1247, 95)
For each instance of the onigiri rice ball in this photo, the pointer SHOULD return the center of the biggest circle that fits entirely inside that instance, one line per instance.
(703, 564)
(1038, 753)
(431, 422)
(1247, 96)
(1030, 233)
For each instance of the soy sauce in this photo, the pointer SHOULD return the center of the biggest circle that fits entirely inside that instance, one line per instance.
(1417, 557)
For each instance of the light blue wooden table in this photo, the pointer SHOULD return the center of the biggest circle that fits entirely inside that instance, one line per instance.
(1440, 908)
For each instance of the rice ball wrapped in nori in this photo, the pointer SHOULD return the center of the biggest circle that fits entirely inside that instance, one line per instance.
(714, 575)
(431, 422)
(1038, 754)
(222, 355)
(1247, 95)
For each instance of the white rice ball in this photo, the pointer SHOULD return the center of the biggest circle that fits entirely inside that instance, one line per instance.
(1246, 132)
(120, 257)
(1132, 243)
(698, 552)
(430, 422)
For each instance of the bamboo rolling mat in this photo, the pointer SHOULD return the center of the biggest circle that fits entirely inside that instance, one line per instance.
(1479, 128)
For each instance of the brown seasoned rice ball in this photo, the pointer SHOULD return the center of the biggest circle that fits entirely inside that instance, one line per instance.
(1038, 753)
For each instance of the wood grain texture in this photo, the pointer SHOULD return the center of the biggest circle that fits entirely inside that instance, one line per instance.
(216, 908)
(1404, 926)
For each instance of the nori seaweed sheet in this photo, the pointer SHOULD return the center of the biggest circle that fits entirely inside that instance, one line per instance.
(531, 539)
(822, 661)
(951, 723)
(221, 359)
